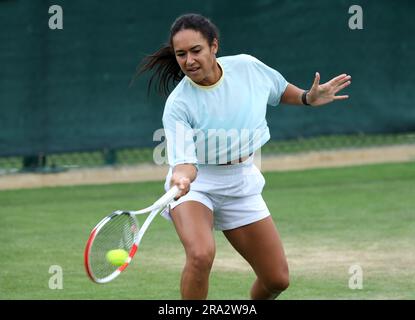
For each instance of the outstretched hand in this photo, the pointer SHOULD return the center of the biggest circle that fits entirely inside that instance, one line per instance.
(320, 94)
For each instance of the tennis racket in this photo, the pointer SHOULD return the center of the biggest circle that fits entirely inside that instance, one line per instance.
(119, 231)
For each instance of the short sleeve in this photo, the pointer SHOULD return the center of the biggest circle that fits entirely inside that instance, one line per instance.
(179, 135)
(277, 83)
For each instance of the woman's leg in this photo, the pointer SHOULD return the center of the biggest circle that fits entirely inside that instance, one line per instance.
(259, 243)
(194, 225)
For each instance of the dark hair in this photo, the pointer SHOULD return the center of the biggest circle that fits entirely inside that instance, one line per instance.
(163, 61)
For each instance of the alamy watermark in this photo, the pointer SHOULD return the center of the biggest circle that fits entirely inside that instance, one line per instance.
(356, 20)
(56, 280)
(56, 20)
(212, 146)
(356, 278)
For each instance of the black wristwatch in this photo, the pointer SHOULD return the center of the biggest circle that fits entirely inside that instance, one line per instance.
(304, 98)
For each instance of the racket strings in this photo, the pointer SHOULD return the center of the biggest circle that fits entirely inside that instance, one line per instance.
(118, 233)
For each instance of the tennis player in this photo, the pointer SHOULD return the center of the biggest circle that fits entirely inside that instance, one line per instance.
(221, 188)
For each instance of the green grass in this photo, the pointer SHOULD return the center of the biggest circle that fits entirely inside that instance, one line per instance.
(329, 219)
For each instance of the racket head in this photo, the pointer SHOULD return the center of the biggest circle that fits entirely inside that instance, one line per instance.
(118, 230)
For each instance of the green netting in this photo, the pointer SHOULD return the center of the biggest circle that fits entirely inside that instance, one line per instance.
(67, 91)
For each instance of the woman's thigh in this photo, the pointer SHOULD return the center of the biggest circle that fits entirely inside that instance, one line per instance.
(260, 244)
(194, 225)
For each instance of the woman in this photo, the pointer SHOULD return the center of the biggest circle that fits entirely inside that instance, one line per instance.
(222, 189)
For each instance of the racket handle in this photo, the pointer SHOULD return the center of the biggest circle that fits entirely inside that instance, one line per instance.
(167, 197)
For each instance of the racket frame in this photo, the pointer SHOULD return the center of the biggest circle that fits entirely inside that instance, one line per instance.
(154, 210)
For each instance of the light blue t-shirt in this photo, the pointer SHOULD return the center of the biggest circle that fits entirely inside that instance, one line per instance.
(225, 121)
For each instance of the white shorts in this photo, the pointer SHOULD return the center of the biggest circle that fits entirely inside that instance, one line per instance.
(232, 192)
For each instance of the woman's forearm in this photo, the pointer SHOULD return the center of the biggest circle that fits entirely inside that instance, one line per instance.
(292, 95)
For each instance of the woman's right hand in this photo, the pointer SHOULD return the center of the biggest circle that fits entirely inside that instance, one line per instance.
(182, 177)
(182, 183)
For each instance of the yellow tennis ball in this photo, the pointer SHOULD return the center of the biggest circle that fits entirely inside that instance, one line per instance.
(117, 257)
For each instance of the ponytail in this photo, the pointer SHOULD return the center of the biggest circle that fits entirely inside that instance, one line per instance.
(166, 69)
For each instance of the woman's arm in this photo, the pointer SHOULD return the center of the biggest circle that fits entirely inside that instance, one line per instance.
(319, 94)
(182, 176)
(292, 95)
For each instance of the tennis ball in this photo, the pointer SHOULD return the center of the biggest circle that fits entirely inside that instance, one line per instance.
(117, 257)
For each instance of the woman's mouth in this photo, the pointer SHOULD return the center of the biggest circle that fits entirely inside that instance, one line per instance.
(193, 70)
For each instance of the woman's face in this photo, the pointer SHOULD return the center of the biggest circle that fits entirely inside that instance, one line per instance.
(195, 57)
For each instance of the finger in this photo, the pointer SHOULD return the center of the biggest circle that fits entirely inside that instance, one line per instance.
(340, 79)
(342, 86)
(182, 192)
(183, 183)
(316, 80)
(184, 186)
(340, 97)
(344, 79)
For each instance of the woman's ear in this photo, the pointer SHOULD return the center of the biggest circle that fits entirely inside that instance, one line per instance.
(215, 46)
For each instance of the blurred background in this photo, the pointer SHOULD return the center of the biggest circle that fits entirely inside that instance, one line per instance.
(66, 100)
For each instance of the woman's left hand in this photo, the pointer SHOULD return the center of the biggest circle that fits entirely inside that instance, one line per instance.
(320, 94)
